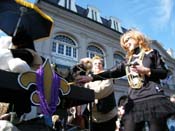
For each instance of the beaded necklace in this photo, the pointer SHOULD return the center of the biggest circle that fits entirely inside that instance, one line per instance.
(135, 80)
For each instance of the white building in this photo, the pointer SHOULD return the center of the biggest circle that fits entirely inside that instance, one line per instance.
(79, 33)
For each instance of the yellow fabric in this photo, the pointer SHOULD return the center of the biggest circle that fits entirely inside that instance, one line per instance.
(33, 6)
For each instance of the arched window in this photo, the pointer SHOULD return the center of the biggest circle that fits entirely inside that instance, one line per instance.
(65, 46)
(93, 50)
(118, 58)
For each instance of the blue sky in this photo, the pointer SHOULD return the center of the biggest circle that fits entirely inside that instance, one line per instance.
(155, 18)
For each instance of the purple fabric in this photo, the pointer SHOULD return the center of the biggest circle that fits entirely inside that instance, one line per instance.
(54, 93)
(47, 109)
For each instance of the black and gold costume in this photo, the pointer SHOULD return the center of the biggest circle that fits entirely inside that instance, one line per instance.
(147, 103)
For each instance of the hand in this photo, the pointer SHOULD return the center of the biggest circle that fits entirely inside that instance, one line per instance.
(141, 70)
(83, 79)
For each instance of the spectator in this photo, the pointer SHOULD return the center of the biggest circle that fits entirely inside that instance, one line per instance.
(104, 109)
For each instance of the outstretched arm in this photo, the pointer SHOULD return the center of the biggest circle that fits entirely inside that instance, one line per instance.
(115, 72)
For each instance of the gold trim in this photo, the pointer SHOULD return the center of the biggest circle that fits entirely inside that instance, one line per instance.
(131, 77)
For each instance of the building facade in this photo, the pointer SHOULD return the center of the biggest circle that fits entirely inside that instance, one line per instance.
(79, 33)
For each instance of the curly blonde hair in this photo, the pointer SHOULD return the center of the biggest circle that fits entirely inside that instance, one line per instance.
(142, 40)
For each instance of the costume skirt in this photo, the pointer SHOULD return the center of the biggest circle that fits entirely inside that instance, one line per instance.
(148, 110)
